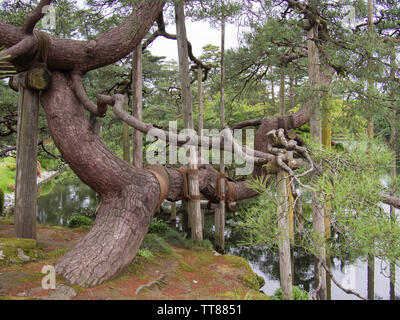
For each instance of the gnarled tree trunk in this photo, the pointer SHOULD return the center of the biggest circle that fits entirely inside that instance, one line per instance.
(125, 210)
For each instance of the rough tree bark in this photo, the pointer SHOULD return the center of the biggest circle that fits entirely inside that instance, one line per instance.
(125, 210)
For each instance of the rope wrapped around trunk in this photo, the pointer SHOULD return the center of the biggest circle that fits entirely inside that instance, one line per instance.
(230, 194)
(185, 172)
(163, 179)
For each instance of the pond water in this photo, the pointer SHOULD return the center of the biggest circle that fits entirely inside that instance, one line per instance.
(60, 201)
(73, 197)
(266, 264)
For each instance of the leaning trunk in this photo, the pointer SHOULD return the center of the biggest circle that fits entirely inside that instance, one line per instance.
(125, 210)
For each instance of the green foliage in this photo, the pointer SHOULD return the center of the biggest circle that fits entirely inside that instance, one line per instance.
(158, 226)
(352, 184)
(155, 244)
(175, 238)
(11, 166)
(79, 221)
(145, 253)
(7, 176)
(49, 163)
(298, 294)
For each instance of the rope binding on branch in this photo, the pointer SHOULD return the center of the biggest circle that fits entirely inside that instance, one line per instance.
(163, 179)
(230, 194)
(185, 172)
(38, 77)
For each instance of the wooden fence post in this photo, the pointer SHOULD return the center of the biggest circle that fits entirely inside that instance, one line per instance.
(285, 265)
(192, 172)
(26, 168)
(137, 152)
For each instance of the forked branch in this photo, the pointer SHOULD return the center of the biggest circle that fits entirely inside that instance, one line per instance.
(34, 17)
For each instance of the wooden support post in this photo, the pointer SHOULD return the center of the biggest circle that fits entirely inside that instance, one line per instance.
(285, 265)
(220, 214)
(371, 277)
(193, 178)
(290, 208)
(393, 169)
(137, 106)
(316, 136)
(200, 92)
(203, 218)
(125, 139)
(282, 93)
(370, 133)
(173, 211)
(327, 144)
(272, 93)
(185, 216)
(291, 91)
(26, 171)
(219, 221)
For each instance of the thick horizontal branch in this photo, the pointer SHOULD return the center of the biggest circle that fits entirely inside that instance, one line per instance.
(247, 154)
(108, 48)
(247, 123)
(21, 48)
(391, 200)
(7, 150)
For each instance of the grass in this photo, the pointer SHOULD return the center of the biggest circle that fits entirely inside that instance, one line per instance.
(7, 174)
(8, 171)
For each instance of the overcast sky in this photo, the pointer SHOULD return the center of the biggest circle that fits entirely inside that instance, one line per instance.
(198, 33)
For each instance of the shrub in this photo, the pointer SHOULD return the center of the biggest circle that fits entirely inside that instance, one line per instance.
(145, 253)
(11, 166)
(79, 221)
(175, 238)
(159, 226)
(155, 245)
(298, 294)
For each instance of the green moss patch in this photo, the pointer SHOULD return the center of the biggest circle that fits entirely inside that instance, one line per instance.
(237, 262)
(253, 281)
(6, 222)
(17, 251)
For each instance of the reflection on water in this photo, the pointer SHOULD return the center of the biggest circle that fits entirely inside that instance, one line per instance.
(66, 200)
(266, 264)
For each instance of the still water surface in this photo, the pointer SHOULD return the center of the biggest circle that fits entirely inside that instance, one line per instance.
(68, 199)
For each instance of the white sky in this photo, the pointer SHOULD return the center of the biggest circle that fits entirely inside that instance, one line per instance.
(199, 34)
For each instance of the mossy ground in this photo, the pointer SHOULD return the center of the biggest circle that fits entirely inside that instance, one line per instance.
(14, 250)
(189, 271)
